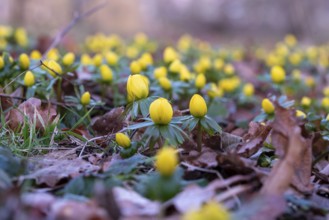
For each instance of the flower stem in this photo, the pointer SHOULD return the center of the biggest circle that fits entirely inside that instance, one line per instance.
(199, 137)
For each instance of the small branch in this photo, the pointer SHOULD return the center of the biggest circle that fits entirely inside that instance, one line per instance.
(77, 17)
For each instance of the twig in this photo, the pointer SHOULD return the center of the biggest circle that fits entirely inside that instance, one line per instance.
(79, 16)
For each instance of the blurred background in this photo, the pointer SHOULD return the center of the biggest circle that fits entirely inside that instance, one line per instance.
(246, 21)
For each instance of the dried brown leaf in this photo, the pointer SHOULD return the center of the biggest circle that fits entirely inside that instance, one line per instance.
(51, 171)
(256, 136)
(111, 122)
(34, 111)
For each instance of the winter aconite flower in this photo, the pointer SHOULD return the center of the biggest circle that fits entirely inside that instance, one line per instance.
(166, 161)
(248, 90)
(268, 106)
(122, 140)
(229, 69)
(300, 114)
(175, 66)
(198, 106)
(137, 87)
(165, 83)
(200, 81)
(278, 75)
(111, 58)
(35, 55)
(210, 211)
(306, 101)
(29, 79)
(68, 59)
(53, 68)
(2, 63)
(24, 61)
(85, 98)
(325, 102)
(106, 73)
(169, 55)
(135, 67)
(160, 72)
(161, 111)
(98, 60)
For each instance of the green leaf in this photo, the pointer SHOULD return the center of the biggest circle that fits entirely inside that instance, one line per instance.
(126, 166)
(212, 124)
(140, 125)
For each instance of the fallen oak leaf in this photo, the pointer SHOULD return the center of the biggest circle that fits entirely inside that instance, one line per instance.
(111, 122)
(53, 171)
(256, 136)
(34, 111)
(287, 136)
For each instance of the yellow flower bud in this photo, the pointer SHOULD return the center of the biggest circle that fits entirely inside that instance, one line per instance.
(268, 106)
(68, 59)
(198, 106)
(175, 66)
(219, 64)
(248, 90)
(184, 43)
(185, 74)
(229, 69)
(296, 75)
(35, 55)
(160, 72)
(211, 210)
(165, 83)
(306, 101)
(106, 73)
(300, 114)
(122, 140)
(85, 60)
(325, 102)
(24, 61)
(200, 81)
(161, 111)
(326, 91)
(97, 60)
(29, 79)
(166, 161)
(205, 63)
(146, 60)
(135, 67)
(309, 81)
(137, 87)
(132, 52)
(140, 39)
(295, 59)
(290, 40)
(169, 55)
(21, 37)
(2, 63)
(85, 98)
(278, 75)
(230, 84)
(112, 58)
(54, 66)
(214, 91)
(53, 54)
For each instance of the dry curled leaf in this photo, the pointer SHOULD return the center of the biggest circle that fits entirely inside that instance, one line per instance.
(33, 110)
(254, 140)
(111, 122)
(51, 171)
(295, 151)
